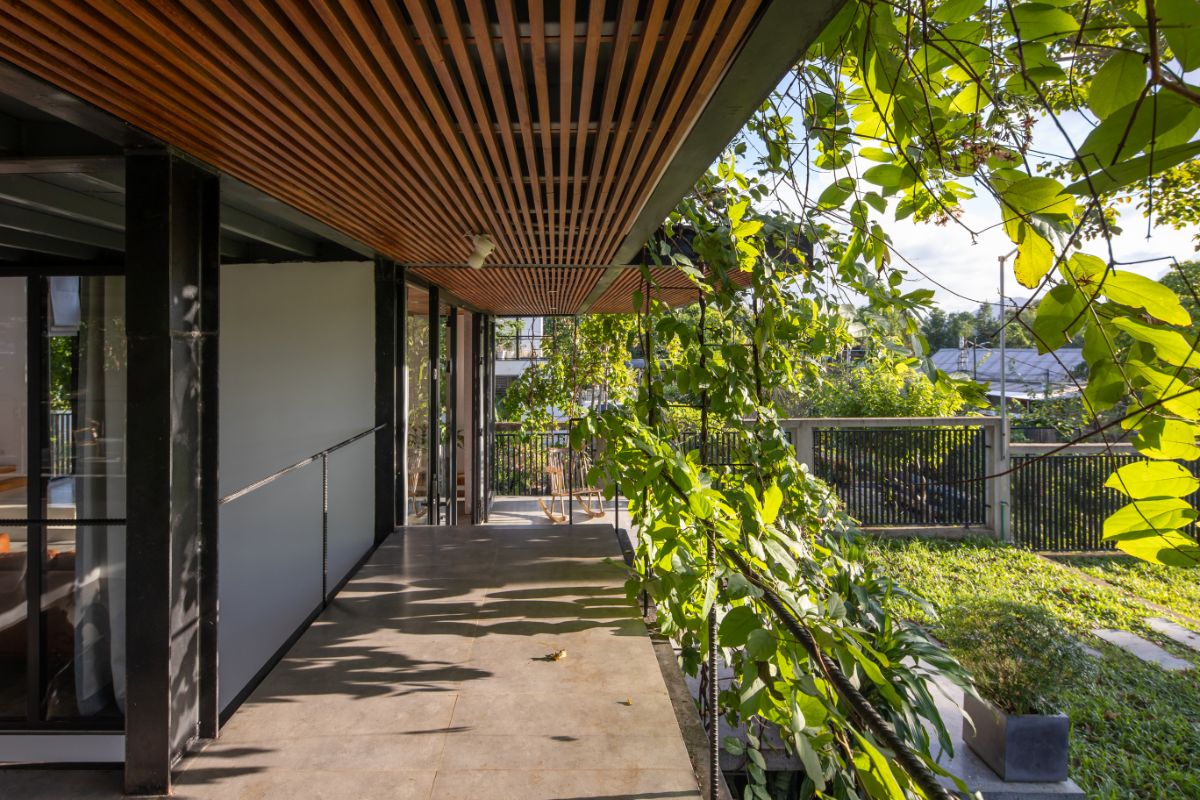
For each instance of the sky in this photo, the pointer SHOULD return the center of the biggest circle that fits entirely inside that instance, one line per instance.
(963, 273)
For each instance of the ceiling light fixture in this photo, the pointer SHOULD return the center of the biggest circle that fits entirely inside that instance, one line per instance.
(483, 248)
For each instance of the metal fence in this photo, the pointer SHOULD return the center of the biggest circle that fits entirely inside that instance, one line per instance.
(1059, 500)
(911, 476)
(721, 447)
(62, 443)
(519, 462)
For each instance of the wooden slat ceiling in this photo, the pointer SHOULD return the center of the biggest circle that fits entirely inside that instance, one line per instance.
(408, 124)
(520, 291)
(670, 285)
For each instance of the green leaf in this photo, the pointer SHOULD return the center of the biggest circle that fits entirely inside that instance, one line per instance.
(836, 193)
(1178, 22)
(771, 501)
(1034, 259)
(1161, 438)
(1138, 291)
(760, 645)
(1037, 195)
(1172, 549)
(1142, 480)
(1127, 173)
(1059, 317)
(1105, 387)
(888, 175)
(1127, 131)
(956, 10)
(1169, 345)
(1148, 516)
(1117, 83)
(877, 154)
(969, 100)
(736, 626)
(1036, 21)
(874, 771)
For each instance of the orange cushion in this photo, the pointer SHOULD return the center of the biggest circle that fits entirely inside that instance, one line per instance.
(4, 543)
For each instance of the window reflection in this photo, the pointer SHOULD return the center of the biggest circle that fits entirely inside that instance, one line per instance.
(13, 483)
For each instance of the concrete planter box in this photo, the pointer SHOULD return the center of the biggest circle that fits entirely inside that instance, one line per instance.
(1019, 747)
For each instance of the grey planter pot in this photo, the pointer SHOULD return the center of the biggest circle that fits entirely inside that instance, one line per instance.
(1019, 747)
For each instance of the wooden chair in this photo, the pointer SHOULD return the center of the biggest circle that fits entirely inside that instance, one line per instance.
(591, 501)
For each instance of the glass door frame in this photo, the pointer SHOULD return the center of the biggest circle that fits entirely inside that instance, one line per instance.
(36, 519)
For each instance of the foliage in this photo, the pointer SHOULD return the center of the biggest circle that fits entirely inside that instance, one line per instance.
(771, 525)
(583, 362)
(61, 371)
(900, 109)
(910, 108)
(1064, 414)
(1133, 731)
(1016, 653)
(979, 328)
(881, 389)
(1175, 589)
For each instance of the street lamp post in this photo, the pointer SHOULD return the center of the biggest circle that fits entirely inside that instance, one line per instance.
(1004, 434)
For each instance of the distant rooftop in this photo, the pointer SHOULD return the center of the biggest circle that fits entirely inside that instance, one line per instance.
(1030, 374)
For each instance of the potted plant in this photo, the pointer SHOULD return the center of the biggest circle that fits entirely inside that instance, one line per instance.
(1021, 661)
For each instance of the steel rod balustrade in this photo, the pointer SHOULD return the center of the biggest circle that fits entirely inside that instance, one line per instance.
(323, 457)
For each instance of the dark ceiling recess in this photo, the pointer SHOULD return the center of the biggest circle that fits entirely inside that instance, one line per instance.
(62, 202)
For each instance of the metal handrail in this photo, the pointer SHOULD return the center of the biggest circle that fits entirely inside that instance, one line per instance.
(324, 458)
(229, 498)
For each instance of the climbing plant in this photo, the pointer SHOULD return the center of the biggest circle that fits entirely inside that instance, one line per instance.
(900, 111)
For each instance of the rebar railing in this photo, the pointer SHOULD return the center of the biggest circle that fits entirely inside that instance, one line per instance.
(323, 457)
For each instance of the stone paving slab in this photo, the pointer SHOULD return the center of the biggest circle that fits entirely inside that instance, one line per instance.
(428, 677)
(1175, 632)
(1142, 648)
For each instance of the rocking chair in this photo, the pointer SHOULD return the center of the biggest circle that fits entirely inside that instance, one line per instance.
(590, 499)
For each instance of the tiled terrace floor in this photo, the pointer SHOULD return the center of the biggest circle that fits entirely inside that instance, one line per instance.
(428, 677)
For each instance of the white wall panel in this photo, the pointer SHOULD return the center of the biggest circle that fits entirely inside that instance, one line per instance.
(297, 375)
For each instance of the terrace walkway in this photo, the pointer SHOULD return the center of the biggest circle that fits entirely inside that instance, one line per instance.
(429, 677)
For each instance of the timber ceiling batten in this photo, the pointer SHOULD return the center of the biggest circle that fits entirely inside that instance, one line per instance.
(407, 124)
(525, 291)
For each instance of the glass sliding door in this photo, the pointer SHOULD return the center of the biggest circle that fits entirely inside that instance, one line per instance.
(446, 434)
(417, 409)
(62, 481)
(14, 479)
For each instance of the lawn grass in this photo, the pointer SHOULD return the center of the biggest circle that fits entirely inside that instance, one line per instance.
(1135, 727)
(1177, 589)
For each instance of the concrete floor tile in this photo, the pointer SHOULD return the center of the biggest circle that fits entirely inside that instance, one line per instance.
(428, 675)
(613, 751)
(541, 713)
(566, 784)
(307, 785)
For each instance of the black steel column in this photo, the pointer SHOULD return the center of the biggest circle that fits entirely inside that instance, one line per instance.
(37, 388)
(434, 468)
(402, 389)
(385, 398)
(452, 418)
(489, 419)
(164, 233)
(477, 455)
(210, 325)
